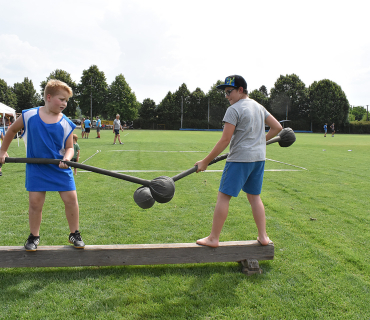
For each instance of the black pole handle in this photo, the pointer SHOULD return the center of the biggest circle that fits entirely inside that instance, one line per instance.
(217, 159)
(80, 166)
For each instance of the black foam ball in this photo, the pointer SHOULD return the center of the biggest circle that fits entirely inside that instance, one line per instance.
(143, 198)
(287, 136)
(162, 189)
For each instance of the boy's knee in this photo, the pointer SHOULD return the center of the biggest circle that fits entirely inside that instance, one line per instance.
(36, 200)
(253, 197)
(69, 197)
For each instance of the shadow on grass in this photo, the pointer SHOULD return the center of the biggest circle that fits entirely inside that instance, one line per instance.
(147, 292)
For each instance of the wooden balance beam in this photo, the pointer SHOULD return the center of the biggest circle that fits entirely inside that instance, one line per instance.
(248, 253)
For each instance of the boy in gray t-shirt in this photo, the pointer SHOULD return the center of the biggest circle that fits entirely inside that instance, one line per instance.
(245, 131)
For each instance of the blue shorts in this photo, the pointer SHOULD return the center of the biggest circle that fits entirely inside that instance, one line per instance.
(246, 176)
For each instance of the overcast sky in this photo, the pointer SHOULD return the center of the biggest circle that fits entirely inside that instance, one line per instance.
(159, 45)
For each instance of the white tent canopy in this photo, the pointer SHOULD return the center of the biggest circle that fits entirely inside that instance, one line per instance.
(5, 110)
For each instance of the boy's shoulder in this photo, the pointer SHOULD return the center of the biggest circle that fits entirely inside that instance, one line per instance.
(69, 121)
(31, 109)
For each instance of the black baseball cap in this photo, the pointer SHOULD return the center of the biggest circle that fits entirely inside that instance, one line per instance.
(233, 81)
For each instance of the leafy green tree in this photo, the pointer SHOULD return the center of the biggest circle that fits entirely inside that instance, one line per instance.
(289, 98)
(64, 76)
(147, 110)
(181, 98)
(260, 97)
(169, 109)
(7, 96)
(147, 114)
(26, 95)
(197, 110)
(218, 106)
(168, 112)
(328, 103)
(358, 112)
(121, 100)
(38, 100)
(92, 91)
(264, 91)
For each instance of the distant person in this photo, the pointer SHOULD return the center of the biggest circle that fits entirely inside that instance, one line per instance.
(116, 127)
(48, 134)
(83, 128)
(325, 129)
(244, 130)
(76, 149)
(87, 123)
(332, 129)
(98, 125)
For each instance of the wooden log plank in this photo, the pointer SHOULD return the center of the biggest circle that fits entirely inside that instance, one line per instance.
(133, 254)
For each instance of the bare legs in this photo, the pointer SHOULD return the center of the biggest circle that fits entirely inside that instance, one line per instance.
(258, 211)
(119, 138)
(220, 215)
(71, 209)
(36, 202)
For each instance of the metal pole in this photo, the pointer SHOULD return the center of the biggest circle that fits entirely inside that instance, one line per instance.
(91, 119)
(286, 115)
(367, 112)
(182, 109)
(208, 112)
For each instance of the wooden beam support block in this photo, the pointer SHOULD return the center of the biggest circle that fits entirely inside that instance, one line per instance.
(133, 254)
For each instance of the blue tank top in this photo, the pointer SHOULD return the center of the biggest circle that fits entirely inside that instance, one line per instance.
(44, 140)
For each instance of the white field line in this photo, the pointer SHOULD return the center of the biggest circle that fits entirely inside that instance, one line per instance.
(179, 171)
(149, 151)
(97, 151)
(138, 171)
(287, 164)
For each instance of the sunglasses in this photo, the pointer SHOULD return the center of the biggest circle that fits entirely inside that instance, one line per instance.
(228, 92)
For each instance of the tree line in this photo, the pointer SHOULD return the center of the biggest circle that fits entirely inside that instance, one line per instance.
(92, 96)
(307, 108)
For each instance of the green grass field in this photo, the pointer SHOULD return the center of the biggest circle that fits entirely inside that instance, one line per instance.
(316, 199)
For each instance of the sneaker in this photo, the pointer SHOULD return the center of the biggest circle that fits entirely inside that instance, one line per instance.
(32, 242)
(114, 143)
(121, 143)
(76, 240)
(1, 173)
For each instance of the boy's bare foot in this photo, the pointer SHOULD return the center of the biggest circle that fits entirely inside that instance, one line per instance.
(263, 241)
(208, 242)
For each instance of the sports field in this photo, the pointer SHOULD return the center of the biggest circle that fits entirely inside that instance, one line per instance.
(316, 195)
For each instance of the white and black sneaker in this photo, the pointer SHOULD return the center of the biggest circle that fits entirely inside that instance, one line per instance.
(76, 240)
(32, 242)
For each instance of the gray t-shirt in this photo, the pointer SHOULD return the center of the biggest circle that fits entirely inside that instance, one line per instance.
(248, 143)
(117, 124)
